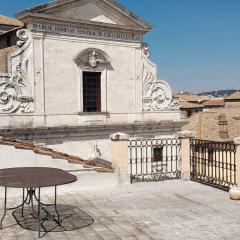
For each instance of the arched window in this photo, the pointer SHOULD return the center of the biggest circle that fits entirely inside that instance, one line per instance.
(93, 64)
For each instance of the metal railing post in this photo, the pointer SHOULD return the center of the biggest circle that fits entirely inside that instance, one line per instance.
(237, 144)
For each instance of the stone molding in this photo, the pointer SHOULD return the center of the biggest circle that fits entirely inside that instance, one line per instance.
(186, 134)
(97, 131)
(119, 137)
(111, 7)
(237, 141)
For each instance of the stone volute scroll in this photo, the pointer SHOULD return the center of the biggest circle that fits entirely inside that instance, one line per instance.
(93, 58)
(16, 90)
(157, 94)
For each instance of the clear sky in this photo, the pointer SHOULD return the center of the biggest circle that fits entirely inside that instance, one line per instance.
(195, 43)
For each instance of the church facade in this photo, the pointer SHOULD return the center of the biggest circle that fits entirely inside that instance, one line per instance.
(82, 66)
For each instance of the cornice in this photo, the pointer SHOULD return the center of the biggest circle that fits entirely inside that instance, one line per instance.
(46, 18)
(110, 4)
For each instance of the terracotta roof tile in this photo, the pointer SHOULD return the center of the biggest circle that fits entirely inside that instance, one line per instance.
(98, 165)
(234, 96)
(188, 105)
(206, 126)
(10, 21)
(188, 97)
(214, 102)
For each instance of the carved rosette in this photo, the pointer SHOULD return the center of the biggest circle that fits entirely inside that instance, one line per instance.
(16, 90)
(157, 94)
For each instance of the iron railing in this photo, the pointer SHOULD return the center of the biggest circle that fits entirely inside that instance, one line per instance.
(154, 159)
(213, 163)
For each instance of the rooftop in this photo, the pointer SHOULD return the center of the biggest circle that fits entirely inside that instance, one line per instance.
(189, 105)
(214, 102)
(205, 125)
(4, 20)
(188, 97)
(163, 210)
(234, 96)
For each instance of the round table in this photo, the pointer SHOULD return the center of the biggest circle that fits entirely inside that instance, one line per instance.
(30, 179)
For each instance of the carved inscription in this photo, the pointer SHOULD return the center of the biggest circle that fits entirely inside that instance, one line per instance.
(120, 36)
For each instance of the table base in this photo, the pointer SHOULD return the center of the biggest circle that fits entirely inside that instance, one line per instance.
(41, 214)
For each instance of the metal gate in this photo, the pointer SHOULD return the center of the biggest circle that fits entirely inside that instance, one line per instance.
(213, 163)
(154, 159)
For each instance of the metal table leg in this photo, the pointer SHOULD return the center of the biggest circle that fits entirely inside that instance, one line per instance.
(23, 200)
(55, 206)
(5, 208)
(39, 213)
(28, 199)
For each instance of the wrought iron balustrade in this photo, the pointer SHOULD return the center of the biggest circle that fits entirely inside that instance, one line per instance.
(213, 163)
(154, 159)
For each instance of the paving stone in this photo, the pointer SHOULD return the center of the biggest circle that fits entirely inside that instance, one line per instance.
(156, 211)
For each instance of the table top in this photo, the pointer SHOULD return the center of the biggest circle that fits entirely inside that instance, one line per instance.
(34, 177)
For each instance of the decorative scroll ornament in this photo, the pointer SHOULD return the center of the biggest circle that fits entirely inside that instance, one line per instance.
(157, 95)
(145, 49)
(22, 34)
(16, 93)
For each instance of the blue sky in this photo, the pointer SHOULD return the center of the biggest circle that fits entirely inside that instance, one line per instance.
(195, 43)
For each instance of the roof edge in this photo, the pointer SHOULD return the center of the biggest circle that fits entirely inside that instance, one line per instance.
(117, 6)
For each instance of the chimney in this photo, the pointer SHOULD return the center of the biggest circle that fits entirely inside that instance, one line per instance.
(223, 126)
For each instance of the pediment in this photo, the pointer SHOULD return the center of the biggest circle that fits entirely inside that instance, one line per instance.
(95, 11)
(89, 11)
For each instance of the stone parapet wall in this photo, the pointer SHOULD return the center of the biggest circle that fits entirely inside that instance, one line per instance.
(89, 140)
(138, 129)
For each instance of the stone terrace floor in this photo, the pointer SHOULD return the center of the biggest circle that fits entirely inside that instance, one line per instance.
(163, 210)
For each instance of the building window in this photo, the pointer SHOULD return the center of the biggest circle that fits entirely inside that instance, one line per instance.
(91, 91)
(8, 39)
(158, 154)
(189, 113)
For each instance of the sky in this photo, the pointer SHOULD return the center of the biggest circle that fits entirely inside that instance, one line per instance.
(195, 43)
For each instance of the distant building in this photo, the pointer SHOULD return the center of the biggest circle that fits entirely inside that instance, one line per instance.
(213, 103)
(8, 29)
(233, 100)
(220, 124)
(8, 39)
(189, 104)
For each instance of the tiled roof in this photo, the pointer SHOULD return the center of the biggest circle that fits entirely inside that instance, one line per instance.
(10, 21)
(188, 105)
(187, 97)
(234, 96)
(98, 165)
(213, 102)
(205, 125)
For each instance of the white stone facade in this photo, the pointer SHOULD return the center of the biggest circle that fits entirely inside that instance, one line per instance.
(41, 96)
(45, 84)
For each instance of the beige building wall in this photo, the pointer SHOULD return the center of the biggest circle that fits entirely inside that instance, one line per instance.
(3, 58)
